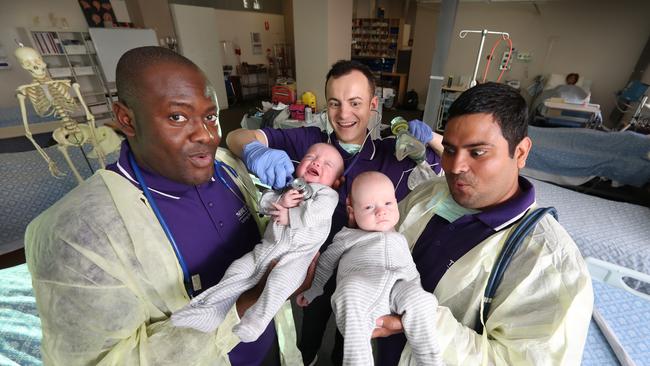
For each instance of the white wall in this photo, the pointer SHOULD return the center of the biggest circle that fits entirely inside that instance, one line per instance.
(322, 36)
(339, 32)
(196, 30)
(311, 47)
(16, 14)
(200, 31)
(599, 39)
(392, 8)
(237, 26)
(153, 14)
(364, 8)
(426, 20)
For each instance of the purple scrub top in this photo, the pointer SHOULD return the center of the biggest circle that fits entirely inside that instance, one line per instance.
(442, 243)
(212, 227)
(375, 155)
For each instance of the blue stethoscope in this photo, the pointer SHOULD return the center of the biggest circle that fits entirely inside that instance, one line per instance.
(218, 167)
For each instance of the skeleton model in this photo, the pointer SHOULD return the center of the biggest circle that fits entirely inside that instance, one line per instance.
(52, 98)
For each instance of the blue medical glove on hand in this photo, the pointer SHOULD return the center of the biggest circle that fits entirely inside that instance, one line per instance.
(420, 131)
(273, 167)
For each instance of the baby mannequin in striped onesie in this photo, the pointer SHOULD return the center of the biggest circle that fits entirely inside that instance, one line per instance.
(298, 229)
(376, 276)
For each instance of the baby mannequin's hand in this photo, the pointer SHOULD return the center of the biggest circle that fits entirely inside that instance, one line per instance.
(290, 198)
(280, 215)
(302, 301)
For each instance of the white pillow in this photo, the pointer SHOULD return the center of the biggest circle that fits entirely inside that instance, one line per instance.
(560, 79)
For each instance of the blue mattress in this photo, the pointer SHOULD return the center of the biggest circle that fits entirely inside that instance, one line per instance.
(615, 232)
(10, 116)
(20, 327)
(578, 152)
(629, 318)
(28, 188)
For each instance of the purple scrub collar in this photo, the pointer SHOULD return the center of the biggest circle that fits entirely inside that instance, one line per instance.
(510, 211)
(157, 183)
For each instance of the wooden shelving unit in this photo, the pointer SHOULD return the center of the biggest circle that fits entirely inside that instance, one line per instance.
(374, 37)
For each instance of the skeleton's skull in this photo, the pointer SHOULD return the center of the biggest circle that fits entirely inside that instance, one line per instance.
(31, 61)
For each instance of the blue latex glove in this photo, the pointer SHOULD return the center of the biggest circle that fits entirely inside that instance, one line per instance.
(273, 167)
(420, 131)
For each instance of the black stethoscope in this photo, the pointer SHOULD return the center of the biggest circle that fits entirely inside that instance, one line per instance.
(218, 166)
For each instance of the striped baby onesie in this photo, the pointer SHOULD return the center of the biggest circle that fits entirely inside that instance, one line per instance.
(376, 276)
(293, 247)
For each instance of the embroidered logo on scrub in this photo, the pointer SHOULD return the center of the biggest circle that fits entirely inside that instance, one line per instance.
(243, 214)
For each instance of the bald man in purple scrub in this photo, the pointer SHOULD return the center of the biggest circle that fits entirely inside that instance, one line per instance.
(114, 258)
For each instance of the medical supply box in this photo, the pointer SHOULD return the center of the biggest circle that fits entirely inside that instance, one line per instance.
(283, 94)
(297, 111)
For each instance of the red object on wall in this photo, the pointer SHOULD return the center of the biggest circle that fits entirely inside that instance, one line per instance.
(266, 25)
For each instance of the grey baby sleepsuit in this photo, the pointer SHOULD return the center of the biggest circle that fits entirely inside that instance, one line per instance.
(293, 247)
(376, 276)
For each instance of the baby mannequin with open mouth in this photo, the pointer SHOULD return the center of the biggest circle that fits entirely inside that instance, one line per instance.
(300, 225)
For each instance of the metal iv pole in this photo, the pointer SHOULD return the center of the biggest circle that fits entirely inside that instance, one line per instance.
(484, 33)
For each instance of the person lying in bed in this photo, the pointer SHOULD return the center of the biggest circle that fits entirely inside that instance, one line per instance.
(572, 78)
(572, 93)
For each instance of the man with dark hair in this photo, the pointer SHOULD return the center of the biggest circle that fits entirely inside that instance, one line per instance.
(457, 228)
(132, 64)
(342, 67)
(115, 257)
(349, 90)
(506, 105)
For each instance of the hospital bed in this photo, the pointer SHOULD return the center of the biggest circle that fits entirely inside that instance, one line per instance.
(612, 231)
(559, 112)
(11, 124)
(620, 326)
(561, 105)
(28, 189)
(573, 156)
(615, 232)
(624, 313)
